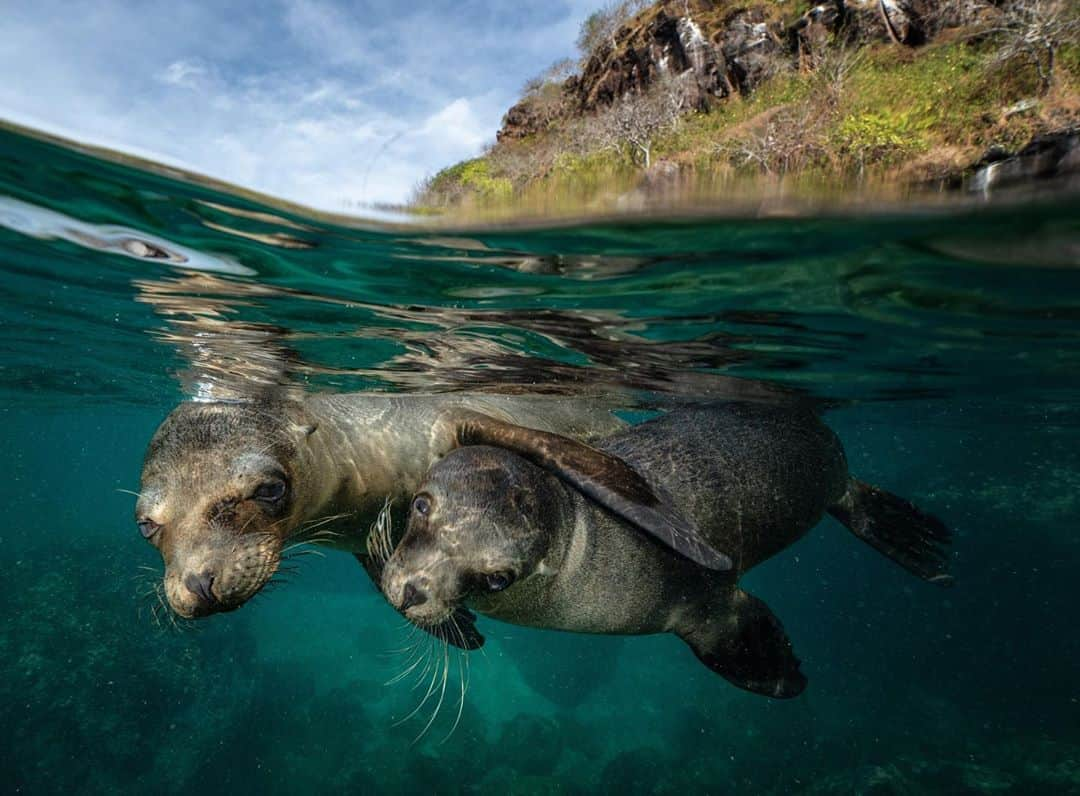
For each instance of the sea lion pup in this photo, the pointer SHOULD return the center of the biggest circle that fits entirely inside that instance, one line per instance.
(489, 530)
(226, 484)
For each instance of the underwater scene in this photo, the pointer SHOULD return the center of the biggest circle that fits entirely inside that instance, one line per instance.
(941, 344)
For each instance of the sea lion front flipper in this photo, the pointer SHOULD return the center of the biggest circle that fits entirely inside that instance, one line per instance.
(751, 651)
(459, 630)
(607, 479)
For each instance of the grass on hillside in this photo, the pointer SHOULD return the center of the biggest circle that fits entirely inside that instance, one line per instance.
(879, 114)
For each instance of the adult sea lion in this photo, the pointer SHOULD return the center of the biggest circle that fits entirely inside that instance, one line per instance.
(490, 531)
(226, 484)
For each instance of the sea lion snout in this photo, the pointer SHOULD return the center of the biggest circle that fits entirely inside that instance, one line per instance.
(214, 578)
(413, 592)
(412, 596)
(202, 586)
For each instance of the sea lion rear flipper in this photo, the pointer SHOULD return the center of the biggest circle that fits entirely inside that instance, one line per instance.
(459, 630)
(751, 651)
(917, 541)
(607, 479)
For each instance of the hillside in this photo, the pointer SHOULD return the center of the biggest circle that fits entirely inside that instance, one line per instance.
(700, 97)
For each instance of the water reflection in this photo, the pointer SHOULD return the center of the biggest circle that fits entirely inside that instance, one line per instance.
(38, 222)
(442, 348)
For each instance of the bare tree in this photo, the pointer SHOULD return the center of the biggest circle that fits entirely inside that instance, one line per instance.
(600, 27)
(1033, 30)
(793, 137)
(635, 121)
(554, 75)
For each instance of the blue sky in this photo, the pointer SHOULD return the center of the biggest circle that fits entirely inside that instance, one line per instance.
(326, 102)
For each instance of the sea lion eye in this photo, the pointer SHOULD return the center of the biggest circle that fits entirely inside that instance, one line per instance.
(270, 491)
(147, 528)
(497, 581)
(421, 505)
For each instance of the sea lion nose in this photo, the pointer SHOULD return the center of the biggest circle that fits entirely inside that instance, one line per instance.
(200, 585)
(411, 596)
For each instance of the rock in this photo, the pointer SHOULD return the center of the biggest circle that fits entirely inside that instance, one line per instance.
(1048, 156)
(706, 64)
(636, 771)
(521, 121)
(901, 21)
(753, 49)
(720, 54)
(714, 50)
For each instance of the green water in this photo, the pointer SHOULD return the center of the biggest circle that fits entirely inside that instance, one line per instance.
(944, 347)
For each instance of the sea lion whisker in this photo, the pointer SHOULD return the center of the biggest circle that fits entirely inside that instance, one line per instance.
(406, 650)
(412, 664)
(322, 534)
(294, 546)
(246, 524)
(429, 646)
(442, 691)
(411, 651)
(172, 620)
(321, 521)
(462, 678)
(430, 691)
(161, 605)
(301, 554)
(410, 629)
(316, 522)
(130, 492)
(378, 538)
(463, 662)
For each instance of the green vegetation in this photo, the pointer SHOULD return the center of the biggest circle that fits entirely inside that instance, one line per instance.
(472, 178)
(859, 109)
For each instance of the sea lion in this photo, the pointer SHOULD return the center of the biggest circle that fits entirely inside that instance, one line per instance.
(225, 484)
(490, 531)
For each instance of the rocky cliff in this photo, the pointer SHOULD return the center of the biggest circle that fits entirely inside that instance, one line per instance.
(915, 89)
(724, 48)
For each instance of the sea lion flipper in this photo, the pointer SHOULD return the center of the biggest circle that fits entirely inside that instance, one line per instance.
(895, 527)
(753, 652)
(604, 478)
(459, 630)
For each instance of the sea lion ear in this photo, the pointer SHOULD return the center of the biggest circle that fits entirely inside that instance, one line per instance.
(523, 501)
(303, 430)
(302, 424)
(604, 478)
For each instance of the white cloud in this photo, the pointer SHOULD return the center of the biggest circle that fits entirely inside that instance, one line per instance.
(325, 103)
(457, 126)
(182, 73)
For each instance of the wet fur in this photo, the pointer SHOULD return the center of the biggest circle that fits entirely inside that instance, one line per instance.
(341, 455)
(754, 478)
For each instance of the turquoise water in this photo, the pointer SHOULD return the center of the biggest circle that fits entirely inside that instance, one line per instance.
(943, 346)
